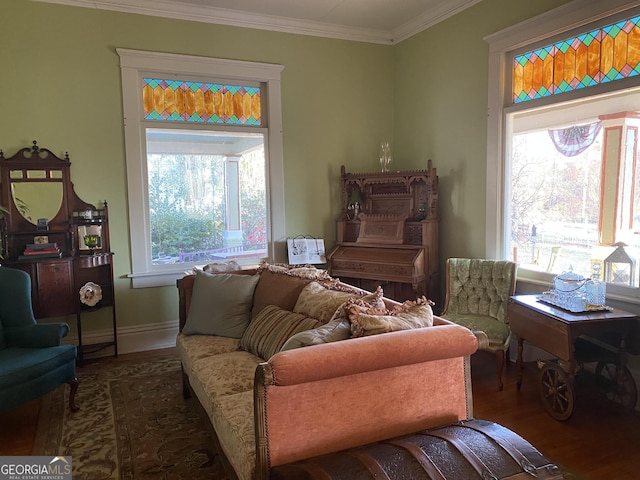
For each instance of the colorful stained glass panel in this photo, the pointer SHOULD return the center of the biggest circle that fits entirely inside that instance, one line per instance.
(602, 55)
(198, 102)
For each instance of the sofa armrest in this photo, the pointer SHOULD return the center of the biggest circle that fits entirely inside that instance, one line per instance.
(373, 353)
(316, 400)
(442, 321)
(40, 335)
(185, 289)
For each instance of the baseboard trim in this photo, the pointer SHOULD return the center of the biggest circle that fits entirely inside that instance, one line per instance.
(140, 338)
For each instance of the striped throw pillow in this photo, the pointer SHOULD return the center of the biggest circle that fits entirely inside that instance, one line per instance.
(271, 328)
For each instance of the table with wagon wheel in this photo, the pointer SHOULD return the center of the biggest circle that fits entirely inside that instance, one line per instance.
(577, 340)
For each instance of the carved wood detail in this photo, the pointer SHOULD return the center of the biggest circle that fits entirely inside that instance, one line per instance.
(388, 232)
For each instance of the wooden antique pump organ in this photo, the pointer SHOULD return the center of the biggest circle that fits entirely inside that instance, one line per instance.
(387, 233)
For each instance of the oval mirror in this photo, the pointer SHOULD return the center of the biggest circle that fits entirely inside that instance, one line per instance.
(36, 200)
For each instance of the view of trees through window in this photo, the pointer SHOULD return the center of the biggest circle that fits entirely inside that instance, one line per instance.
(569, 210)
(572, 183)
(207, 195)
(555, 204)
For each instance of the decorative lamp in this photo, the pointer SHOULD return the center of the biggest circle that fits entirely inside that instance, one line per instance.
(619, 267)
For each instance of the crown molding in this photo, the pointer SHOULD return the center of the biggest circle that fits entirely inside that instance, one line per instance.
(236, 18)
(434, 16)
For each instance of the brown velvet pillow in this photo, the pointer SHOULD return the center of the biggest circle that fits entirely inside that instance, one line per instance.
(277, 289)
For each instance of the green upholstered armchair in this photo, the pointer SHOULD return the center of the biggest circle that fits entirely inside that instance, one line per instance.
(32, 360)
(477, 295)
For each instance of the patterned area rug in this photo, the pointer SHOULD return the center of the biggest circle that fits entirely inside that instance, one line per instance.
(133, 423)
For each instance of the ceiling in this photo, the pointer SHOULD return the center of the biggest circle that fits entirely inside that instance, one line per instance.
(375, 21)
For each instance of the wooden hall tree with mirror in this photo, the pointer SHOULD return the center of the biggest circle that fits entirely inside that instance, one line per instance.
(61, 241)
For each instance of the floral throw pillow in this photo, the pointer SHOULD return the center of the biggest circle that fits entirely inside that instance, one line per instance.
(338, 328)
(319, 302)
(372, 321)
(372, 300)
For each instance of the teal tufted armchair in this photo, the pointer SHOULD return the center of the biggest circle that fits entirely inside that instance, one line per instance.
(477, 295)
(32, 360)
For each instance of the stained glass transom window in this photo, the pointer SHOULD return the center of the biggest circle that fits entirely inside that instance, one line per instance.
(599, 56)
(201, 102)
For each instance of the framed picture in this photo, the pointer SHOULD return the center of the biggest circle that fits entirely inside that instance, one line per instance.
(306, 250)
(41, 239)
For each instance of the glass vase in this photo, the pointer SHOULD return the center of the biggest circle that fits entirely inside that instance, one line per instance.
(385, 156)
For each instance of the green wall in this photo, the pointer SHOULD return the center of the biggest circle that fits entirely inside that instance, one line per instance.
(440, 112)
(61, 86)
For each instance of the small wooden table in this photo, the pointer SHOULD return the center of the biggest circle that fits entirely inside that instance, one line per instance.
(556, 331)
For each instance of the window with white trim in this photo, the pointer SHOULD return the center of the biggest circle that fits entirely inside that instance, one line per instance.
(204, 162)
(563, 127)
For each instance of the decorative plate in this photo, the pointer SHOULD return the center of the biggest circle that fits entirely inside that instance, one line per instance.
(90, 294)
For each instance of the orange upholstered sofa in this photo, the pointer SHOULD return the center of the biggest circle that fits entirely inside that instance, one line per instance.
(308, 401)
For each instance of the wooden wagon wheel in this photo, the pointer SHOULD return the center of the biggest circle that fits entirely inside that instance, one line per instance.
(618, 384)
(556, 391)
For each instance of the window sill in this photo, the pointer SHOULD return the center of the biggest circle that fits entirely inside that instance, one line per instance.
(168, 277)
(157, 279)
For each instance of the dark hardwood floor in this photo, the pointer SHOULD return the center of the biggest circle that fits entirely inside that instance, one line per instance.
(596, 443)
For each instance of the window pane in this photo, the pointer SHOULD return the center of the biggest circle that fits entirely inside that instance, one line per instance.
(555, 204)
(599, 56)
(574, 190)
(207, 196)
(201, 102)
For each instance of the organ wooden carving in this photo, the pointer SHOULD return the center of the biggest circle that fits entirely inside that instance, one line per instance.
(387, 233)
